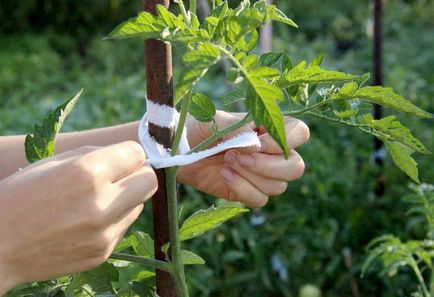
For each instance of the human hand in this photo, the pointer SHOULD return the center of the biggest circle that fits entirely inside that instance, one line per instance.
(66, 214)
(245, 175)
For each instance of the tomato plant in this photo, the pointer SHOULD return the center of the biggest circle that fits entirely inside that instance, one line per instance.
(269, 85)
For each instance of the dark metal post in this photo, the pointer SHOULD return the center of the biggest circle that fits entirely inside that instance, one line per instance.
(159, 85)
(378, 81)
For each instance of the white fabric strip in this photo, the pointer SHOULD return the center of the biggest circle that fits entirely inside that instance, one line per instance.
(161, 115)
(160, 157)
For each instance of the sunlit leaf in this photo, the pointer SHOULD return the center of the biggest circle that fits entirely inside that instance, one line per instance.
(41, 143)
(202, 108)
(261, 101)
(401, 156)
(197, 62)
(346, 113)
(392, 129)
(205, 220)
(143, 244)
(190, 258)
(313, 74)
(386, 97)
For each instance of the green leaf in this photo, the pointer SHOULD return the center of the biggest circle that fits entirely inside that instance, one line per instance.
(269, 59)
(99, 279)
(265, 72)
(233, 96)
(253, 40)
(190, 258)
(386, 97)
(286, 63)
(205, 220)
(392, 129)
(278, 16)
(318, 60)
(313, 74)
(220, 11)
(250, 61)
(41, 143)
(197, 62)
(401, 156)
(261, 101)
(202, 108)
(346, 113)
(164, 26)
(124, 244)
(143, 244)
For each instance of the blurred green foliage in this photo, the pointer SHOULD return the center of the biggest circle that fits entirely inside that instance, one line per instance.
(317, 231)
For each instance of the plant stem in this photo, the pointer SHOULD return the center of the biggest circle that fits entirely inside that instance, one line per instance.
(420, 279)
(181, 123)
(193, 6)
(152, 263)
(216, 136)
(341, 121)
(234, 60)
(184, 12)
(431, 285)
(297, 112)
(175, 242)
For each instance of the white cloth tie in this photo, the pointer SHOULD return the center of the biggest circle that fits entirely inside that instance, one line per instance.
(160, 157)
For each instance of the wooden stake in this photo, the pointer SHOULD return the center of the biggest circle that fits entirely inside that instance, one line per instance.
(159, 83)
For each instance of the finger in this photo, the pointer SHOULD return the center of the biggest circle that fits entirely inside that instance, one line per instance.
(269, 186)
(297, 133)
(242, 190)
(132, 191)
(115, 161)
(114, 234)
(60, 158)
(269, 166)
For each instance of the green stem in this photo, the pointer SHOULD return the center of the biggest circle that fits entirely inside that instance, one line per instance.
(181, 123)
(152, 263)
(218, 135)
(193, 6)
(184, 12)
(298, 112)
(431, 285)
(234, 60)
(177, 266)
(175, 242)
(420, 279)
(340, 121)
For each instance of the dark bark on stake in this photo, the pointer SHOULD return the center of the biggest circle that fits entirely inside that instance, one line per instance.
(378, 81)
(159, 85)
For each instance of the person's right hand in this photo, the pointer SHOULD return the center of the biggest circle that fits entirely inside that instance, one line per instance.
(66, 214)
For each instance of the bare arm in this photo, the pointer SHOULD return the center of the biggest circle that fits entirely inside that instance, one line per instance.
(12, 155)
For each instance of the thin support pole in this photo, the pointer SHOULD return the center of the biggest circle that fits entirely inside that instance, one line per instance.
(159, 83)
(377, 54)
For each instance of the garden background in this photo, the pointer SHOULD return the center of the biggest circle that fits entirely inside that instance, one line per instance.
(317, 232)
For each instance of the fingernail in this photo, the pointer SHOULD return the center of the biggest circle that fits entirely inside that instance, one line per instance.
(227, 174)
(231, 157)
(246, 160)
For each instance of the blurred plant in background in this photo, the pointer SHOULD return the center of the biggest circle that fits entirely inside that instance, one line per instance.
(418, 255)
(50, 49)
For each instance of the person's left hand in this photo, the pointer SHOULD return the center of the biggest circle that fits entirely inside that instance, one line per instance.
(245, 175)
